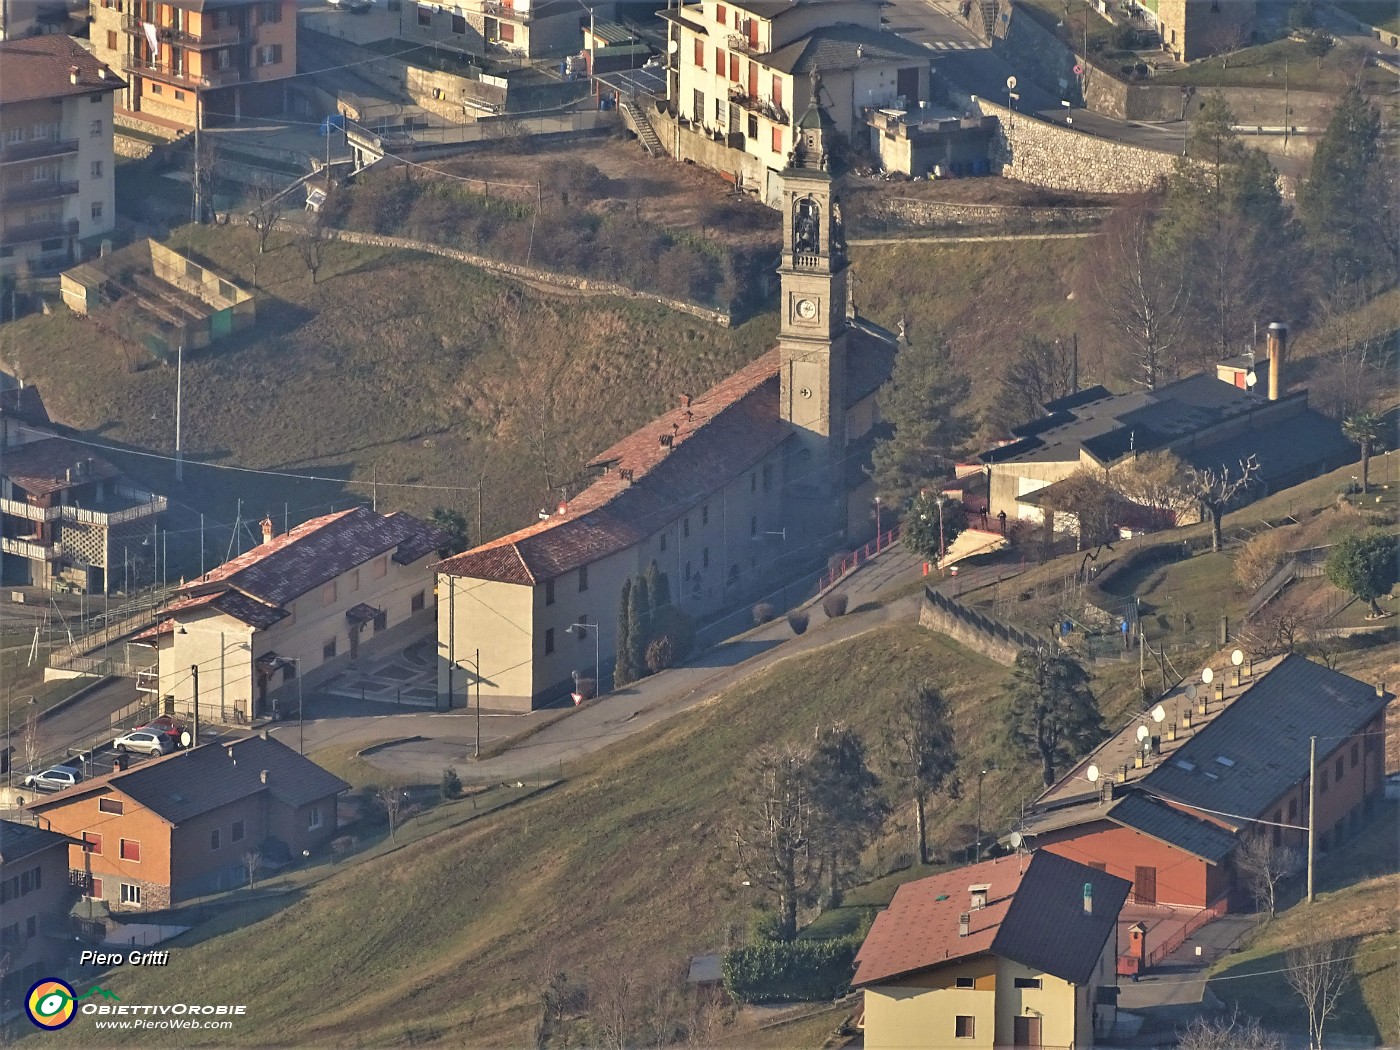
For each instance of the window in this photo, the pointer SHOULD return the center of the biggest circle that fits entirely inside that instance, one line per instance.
(179, 95)
(92, 843)
(721, 15)
(14, 135)
(719, 60)
(95, 889)
(699, 106)
(328, 594)
(109, 805)
(236, 834)
(1355, 755)
(582, 578)
(753, 482)
(155, 88)
(96, 209)
(699, 53)
(1322, 781)
(111, 40)
(459, 24)
(130, 894)
(38, 877)
(31, 926)
(269, 54)
(380, 567)
(549, 592)
(26, 883)
(1292, 810)
(289, 671)
(507, 32)
(328, 651)
(965, 1027)
(1338, 769)
(1027, 982)
(687, 570)
(97, 169)
(131, 850)
(548, 641)
(767, 476)
(719, 111)
(214, 839)
(95, 129)
(270, 12)
(354, 579)
(777, 91)
(705, 514)
(777, 139)
(753, 126)
(734, 68)
(425, 15)
(753, 525)
(966, 982)
(416, 604)
(663, 542)
(381, 621)
(313, 819)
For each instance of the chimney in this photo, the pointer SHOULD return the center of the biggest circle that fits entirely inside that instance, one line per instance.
(1088, 898)
(563, 507)
(963, 920)
(1278, 348)
(685, 401)
(72, 74)
(979, 896)
(1380, 688)
(102, 73)
(1186, 719)
(263, 776)
(269, 529)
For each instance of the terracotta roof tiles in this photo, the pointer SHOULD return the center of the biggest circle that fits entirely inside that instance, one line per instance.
(40, 67)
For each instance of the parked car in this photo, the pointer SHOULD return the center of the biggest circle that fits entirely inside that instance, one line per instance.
(146, 741)
(356, 6)
(55, 778)
(166, 725)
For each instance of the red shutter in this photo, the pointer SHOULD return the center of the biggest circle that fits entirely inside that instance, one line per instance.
(753, 80)
(699, 53)
(777, 139)
(734, 68)
(721, 14)
(777, 91)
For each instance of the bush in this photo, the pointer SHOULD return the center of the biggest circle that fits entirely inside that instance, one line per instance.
(451, 786)
(765, 925)
(762, 613)
(586, 688)
(798, 622)
(671, 622)
(1125, 38)
(771, 971)
(834, 605)
(660, 654)
(1259, 559)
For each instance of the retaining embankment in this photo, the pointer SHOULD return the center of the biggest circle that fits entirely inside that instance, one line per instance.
(989, 636)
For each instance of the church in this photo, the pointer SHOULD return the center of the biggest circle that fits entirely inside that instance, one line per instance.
(725, 492)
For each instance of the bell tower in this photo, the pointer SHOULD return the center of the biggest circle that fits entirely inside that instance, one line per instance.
(812, 333)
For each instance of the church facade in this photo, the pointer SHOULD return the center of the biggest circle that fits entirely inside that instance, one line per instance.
(725, 492)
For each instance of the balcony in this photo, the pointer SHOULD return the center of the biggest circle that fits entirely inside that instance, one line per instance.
(499, 10)
(223, 36)
(29, 549)
(741, 43)
(179, 77)
(27, 511)
(127, 504)
(39, 231)
(14, 153)
(28, 192)
(763, 106)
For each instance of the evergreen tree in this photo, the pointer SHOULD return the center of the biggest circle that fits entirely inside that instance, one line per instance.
(638, 626)
(847, 807)
(625, 671)
(1367, 429)
(660, 595)
(1052, 714)
(455, 525)
(924, 405)
(922, 754)
(928, 511)
(1365, 566)
(1344, 190)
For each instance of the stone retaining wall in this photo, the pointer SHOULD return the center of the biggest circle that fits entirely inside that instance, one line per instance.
(919, 214)
(988, 636)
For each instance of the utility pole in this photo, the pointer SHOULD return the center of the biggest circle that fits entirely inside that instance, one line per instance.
(477, 752)
(451, 635)
(194, 732)
(179, 390)
(201, 543)
(301, 719)
(198, 166)
(1312, 813)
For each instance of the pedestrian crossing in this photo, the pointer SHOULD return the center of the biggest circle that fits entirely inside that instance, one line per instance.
(951, 45)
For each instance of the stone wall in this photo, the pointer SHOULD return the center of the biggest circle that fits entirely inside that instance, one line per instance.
(917, 214)
(1030, 47)
(984, 634)
(1258, 107)
(745, 170)
(137, 149)
(1056, 157)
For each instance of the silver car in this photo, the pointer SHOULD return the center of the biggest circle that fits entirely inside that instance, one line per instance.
(55, 778)
(146, 741)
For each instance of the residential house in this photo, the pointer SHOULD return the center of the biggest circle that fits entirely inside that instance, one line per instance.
(57, 194)
(1014, 951)
(1193, 29)
(1210, 421)
(529, 29)
(723, 492)
(741, 74)
(295, 610)
(68, 518)
(208, 60)
(182, 826)
(1165, 801)
(35, 898)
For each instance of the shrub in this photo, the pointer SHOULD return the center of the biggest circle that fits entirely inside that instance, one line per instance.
(771, 971)
(673, 623)
(834, 605)
(451, 786)
(660, 654)
(586, 688)
(763, 612)
(765, 925)
(1259, 559)
(798, 622)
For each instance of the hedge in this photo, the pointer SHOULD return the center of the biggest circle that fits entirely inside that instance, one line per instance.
(774, 971)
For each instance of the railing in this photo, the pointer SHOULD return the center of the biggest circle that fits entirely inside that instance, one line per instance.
(762, 106)
(39, 231)
(37, 191)
(1177, 939)
(858, 558)
(168, 74)
(13, 153)
(154, 505)
(28, 549)
(492, 7)
(806, 260)
(28, 511)
(739, 42)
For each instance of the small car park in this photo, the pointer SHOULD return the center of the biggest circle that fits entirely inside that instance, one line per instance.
(55, 778)
(145, 741)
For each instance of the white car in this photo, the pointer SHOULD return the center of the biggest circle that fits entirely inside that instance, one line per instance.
(145, 741)
(56, 778)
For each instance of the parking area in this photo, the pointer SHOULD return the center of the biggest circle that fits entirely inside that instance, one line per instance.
(403, 677)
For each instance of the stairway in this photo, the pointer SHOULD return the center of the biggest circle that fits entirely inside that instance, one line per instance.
(988, 10)
(651, 142)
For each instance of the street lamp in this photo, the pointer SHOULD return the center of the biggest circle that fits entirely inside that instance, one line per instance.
(980, 775)
(877, 522)
(9, 740)
(581, 629)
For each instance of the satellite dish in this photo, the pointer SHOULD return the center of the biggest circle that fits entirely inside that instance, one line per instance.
(1092, 773)
(1237, 657)
(1207, 675)
(1016, 839)
(1190, 692)
(1143, 732)
(1159, 713)
(675, 46)
(1250, 379)
(185, 738)
(1010, 83)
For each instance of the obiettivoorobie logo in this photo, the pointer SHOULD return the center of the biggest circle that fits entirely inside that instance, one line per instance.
(52, 1004)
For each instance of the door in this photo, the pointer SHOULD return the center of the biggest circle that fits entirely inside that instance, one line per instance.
(907, 85)
(1145, 885)
(753, 33)
(753, 80)
(1025, 1031)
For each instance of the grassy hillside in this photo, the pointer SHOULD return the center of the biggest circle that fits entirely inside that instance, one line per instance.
(625, 867)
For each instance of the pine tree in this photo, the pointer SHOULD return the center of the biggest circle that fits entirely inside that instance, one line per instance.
(638, 626)
(1339, 200)
(626, 670)
(923, 754)
(846, 801)
(1052, 714)
(924, 404)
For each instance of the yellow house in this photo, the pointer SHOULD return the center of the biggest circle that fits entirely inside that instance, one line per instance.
(1014, 951)
(306, 604)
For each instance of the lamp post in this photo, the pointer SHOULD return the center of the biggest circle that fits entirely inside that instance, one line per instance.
(877, 522)
(980, 775)
(581, 630)
(9, 739)
(179, 391)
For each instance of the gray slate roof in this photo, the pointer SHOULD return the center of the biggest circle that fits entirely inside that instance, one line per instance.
(1263, 738)
(1210, 842)
(835, 47)
(1046, 927)
(18, 841)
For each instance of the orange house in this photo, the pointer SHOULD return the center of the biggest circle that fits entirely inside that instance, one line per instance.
(186, 824)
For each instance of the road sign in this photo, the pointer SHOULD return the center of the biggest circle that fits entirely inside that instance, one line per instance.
(1078, 69)
(1010, 83)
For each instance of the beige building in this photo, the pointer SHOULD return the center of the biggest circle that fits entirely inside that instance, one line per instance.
(741, 74)
(303, 605)
(1193, 29)
(515, 28)
(1002, 953)
(724, 492)
(57, 195)
(35, 897)
(225, 58)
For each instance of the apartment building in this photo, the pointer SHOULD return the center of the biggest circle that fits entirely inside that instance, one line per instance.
(517, 28)
(35, 897)
(211, 60)
(57, 197)
(741, 75)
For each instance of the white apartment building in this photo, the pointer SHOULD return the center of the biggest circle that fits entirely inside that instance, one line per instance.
(57, 195)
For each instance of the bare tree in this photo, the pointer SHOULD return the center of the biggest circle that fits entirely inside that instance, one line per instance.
(1281, 627)
(1263, 865)
(922, 754)
(1227, 1033)
(773, 840)
(390, 800)
(1320, 972)
(610, 1004)
(252, 862)
(311, 244)
(1038, 371)
(1217, 488)
(269, 204)
(29, 739)
(206, 161)
(1157, 481)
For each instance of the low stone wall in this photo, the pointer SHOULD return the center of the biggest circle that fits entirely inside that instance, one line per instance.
(988, 636)
(1040, 54)
(746, 171)
(1044, 154)
(136, 149)
(1258, 107)
(933, 215)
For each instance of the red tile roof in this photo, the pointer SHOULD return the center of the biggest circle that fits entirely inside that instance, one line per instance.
(53, 464)
(723, 433)
(40, 67)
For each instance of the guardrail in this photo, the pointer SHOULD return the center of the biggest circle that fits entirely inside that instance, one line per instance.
(155, 505)
(858, 558)
(1176, 940)
(28, 511)
(27, 549)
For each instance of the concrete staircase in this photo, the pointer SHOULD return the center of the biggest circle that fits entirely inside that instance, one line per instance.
(988, 10)
(651, 141)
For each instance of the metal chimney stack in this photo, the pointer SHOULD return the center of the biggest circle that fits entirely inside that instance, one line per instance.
(1278, 347)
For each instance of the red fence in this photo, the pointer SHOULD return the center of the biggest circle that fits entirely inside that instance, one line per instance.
(859, 557)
